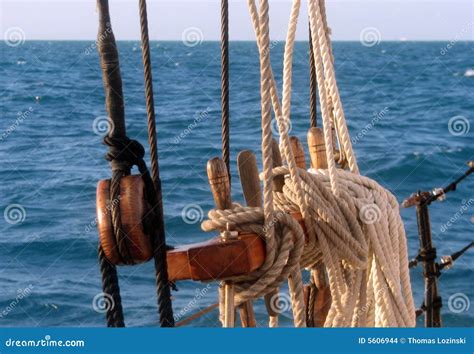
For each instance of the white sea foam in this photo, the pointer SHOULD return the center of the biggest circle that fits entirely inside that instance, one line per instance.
(469, 73)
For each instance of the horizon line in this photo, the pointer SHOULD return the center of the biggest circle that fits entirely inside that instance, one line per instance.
(246, 40)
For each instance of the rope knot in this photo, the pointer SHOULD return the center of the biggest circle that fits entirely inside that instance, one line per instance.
(124, 152)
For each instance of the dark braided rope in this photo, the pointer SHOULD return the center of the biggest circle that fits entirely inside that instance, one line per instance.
(150, 102)
(313, 85)
(112, 80)
(165, 308)
(225, 83)
(312, 291)
(111, 288)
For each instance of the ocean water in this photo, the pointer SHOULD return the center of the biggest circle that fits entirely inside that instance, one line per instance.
(409, 107)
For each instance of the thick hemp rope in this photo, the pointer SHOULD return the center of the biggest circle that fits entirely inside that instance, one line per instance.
(353, 224)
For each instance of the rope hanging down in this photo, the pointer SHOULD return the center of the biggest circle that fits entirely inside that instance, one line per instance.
(353, 225)
(225, 84)
(114, 104)
(313, 84)
(123, 155)
(162, 285)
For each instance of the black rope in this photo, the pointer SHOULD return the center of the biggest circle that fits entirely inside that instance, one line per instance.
(225, 83)
(459, 253)
(165, 308)
(114, 314)
(450, 187)
(313, 85)
(112, 80)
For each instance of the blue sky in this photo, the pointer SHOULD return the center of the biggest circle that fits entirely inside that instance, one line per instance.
(169, 19)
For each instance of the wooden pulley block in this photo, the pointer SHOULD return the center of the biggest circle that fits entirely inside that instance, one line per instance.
(133, 210)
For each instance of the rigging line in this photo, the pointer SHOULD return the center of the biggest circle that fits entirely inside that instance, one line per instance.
(112, 80)
(163, 288)
(225, 83)
(313, 85)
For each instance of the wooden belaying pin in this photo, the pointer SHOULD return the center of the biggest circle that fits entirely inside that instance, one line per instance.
(220, 186)
(219, 182)
(278, 181)
(318, 157)
(249, 179)
(317, 148)
(229, 306)
(298, 152)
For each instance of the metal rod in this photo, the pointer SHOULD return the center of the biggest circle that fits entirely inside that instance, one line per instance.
(432, 314)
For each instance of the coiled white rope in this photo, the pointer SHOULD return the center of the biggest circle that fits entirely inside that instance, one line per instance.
(353, 224)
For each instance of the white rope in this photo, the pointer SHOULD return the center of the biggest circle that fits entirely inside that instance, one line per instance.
(353, 225)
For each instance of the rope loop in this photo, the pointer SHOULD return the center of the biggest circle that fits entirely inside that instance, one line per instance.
(124, 153)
